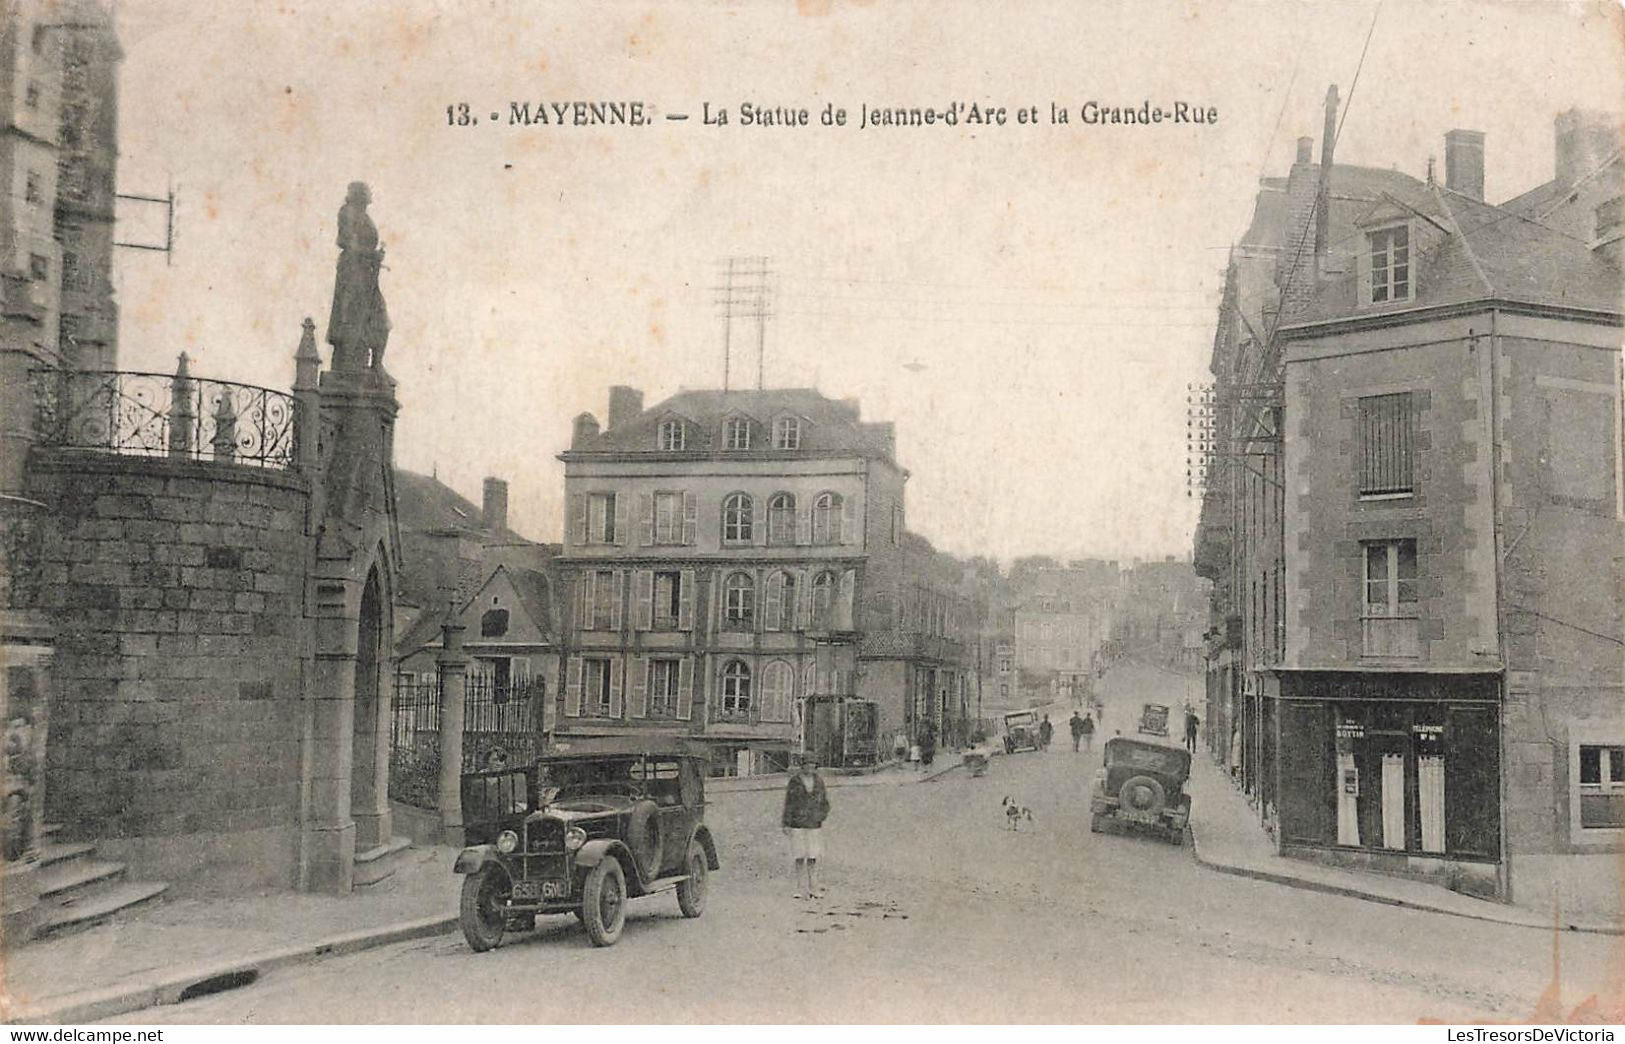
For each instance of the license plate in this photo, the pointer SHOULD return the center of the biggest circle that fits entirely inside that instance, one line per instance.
(527, 889)
(555, 889)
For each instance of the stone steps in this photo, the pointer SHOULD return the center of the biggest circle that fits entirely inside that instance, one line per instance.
(77, 890)
(380, 862)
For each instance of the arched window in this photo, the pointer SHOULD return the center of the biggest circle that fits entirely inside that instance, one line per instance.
(777, 681)
(781, 519)
(779, 602)
(739, 601)
(736, 689)
(737, 516)
(827, 519)
(823, 601)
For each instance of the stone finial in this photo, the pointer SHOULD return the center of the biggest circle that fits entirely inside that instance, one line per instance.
(307, 361)
(182, 409)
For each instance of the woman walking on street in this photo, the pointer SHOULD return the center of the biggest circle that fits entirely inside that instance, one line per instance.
(806, 804)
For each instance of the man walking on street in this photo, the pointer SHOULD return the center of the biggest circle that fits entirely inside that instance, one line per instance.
(1076, 725)
(1088, 729)
(1190, 731)
(1045, 732)
(806, 804)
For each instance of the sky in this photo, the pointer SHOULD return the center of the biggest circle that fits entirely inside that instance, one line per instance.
(1027, 303)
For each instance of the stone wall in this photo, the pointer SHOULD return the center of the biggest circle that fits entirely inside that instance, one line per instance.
(177, 589)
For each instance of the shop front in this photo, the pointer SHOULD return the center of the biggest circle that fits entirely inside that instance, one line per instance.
(1396, 771)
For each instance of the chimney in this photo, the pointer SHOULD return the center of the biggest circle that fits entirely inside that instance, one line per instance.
(586, 427)
(1464, 162)
(624, 404)
(1584, 139)
(852, 405)
(494, 512)
(1328, 142)
(1306, 150)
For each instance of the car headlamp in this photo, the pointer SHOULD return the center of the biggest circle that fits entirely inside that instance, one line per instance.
(507, 841)
(574, 838)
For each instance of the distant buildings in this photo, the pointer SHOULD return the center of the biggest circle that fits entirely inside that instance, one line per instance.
(736, 567)
(1414, 524)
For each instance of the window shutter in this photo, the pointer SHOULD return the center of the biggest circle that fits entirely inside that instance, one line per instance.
(615, 599)
(804, 525)
(578, 512)
(805, 611)
(773, 602)
(845, 597)
(615, 680)
(685, 688)
(849, 521)
(758, 521)
(640, 687)
(584, 603)
(685, 603)
(572, 689)
(620, 519)
(691, 514)
(646, 518)
(643, 581)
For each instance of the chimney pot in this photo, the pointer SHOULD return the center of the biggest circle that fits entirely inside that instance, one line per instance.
(494, 511)
(624, 404)
(1464, 162)
(1306, 149)
(1583, 140)
(586, 427)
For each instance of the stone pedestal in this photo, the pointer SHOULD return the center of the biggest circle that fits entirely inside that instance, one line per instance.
(26, 644)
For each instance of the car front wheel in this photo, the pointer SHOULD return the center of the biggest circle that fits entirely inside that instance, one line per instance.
(603, 902)
(691, 893)
(480, 914)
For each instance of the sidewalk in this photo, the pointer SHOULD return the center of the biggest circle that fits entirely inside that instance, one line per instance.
(151, 956)
(890, 774)
(1229, 839)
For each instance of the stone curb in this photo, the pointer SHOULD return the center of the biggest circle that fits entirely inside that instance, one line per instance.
(1351, 892)
(167, 986)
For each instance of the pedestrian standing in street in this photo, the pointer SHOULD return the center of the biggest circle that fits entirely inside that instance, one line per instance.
(806, 804)
(1088, 732)
(928, 744)
(1045, 732)
(1076, 724)
(1190, 731)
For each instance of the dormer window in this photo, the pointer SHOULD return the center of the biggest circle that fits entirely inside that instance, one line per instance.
(787, 433)
(736, 435)
(673, 435)
(1390, 264)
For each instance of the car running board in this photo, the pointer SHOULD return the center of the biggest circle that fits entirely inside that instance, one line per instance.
(661, 884)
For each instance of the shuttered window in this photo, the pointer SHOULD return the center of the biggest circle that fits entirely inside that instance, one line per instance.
(1386, 445)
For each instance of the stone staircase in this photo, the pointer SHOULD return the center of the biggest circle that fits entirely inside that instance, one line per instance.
(380, 862)
(78, 890)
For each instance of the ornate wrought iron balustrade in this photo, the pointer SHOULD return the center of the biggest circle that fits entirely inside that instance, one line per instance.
(166, 415)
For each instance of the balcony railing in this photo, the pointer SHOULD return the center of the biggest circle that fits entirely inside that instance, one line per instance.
(1391, 637)
(165, 415)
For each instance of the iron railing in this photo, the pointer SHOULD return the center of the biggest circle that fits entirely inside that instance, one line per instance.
(166, 415)
(506, 715)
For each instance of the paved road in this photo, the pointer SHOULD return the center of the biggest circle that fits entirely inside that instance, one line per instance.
(936, 912)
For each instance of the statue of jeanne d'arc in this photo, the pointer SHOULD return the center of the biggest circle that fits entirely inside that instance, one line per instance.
(358, 329)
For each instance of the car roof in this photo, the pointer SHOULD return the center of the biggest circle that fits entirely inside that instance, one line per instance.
(625, 746)
(1130, 741)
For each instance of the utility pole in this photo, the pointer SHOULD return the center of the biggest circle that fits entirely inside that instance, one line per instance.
(745, 293)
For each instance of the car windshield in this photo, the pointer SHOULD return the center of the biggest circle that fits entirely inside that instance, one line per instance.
(574, 778)
(1014, 720)
(1148, 758)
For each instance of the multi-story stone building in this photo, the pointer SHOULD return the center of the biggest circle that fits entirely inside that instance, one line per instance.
(736, 562)
(1421, 554)
(1058, 616)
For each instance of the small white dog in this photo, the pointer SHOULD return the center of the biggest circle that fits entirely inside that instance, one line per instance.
(1014, 813)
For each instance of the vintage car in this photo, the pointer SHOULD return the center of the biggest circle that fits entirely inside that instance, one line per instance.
(1142, 783)
(1154, 719)
(1020, 731)
(593, 823)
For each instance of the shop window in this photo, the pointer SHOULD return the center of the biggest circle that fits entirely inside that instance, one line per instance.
(1601, 788)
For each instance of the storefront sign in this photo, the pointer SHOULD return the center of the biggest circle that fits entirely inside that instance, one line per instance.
(1350, 730)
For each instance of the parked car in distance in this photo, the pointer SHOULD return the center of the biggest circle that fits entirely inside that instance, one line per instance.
(1020, 731)
(1142, 783)
(1154, 719)
(593, 823)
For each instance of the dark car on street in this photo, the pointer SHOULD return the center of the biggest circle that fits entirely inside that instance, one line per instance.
(1154, 719)
(593, 823)
(1020, 731)
(1142, 783)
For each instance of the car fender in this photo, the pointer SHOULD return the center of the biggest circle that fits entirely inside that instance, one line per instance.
(597, 850)
(472, 859)
(702, 834)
